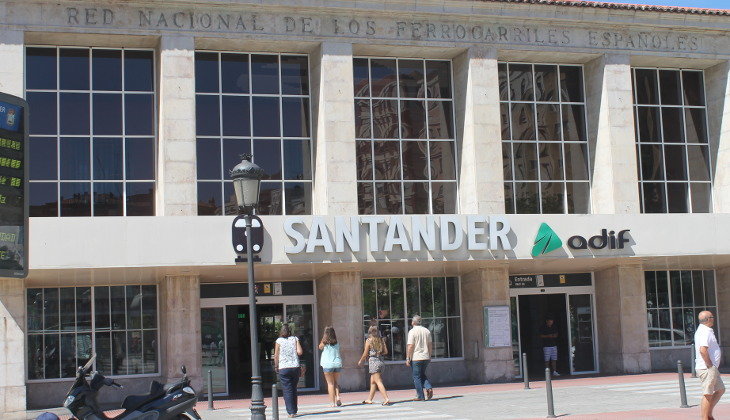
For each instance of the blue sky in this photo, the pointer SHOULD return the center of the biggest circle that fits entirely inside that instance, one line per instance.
(710, 4)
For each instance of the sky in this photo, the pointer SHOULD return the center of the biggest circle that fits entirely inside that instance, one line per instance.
(708, 4)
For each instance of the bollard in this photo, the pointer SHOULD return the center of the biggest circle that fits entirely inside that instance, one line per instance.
(274, 402)
(694, 359)
(682, 389)
(524, 371)
(549, 389)
(210, 390)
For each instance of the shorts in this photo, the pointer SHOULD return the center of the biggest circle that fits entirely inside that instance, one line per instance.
(711, 381)
(331, 370)
(550, 353)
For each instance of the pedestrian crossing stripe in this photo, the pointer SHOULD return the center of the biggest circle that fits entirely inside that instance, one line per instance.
(353, 411)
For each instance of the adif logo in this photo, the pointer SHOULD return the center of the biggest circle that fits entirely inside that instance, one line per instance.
(546, 241)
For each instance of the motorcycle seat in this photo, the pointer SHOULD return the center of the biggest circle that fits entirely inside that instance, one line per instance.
(136, 401)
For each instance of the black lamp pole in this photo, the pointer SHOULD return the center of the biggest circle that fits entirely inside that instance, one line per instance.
(246, 180)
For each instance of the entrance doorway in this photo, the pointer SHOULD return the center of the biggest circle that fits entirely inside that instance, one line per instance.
(534, 310)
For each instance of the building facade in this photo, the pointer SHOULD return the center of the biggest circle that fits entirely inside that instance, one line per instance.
(484, 164)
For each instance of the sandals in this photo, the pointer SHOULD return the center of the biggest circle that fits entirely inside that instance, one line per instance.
(386, 403)
(367, 402)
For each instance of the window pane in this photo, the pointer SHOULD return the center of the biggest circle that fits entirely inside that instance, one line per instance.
(298, 197)
(571, 83)
(520, 82)
(107, 158)
(507, 161)
(398, 333)
(546, 83)
(139, 117)
(443, 197)
(574, 126)
(297, 159)
(452, 296)
(523, 122)
(362, 119)
(648, 122)
(552, 197)
(43, 119)
(505, 121)
(138, 71)
(364, 160)
(695, 125)
(650, 288)
(295, 117)
(415, 197)
(140, 158)
(440, 120)
(525, 161)
(551, 161)
(676, 287)
(210, 198)
(236, 116)
(267, 155)
(118, 307)
(385, 119)
(383, 298)
(365, 199)
(361, 77)
(677, 197)
(509, 201)
(206, 72)
(548, 122)
(675, 162)
(701, 197)
(84, 350)
(709, 280)
(415, 161)
(383, 75)
(234, 73)
(698, 288)
(149, 344)
(438, 333)
(426, 297)
(694, 90)
(678, 326)
(75, 113)
(294, 75)
(576, 161)
(672, 124)
(388, 198)
(209, 158)
(654, 198)
(101, 308)
(270, 198)
(265, 116)
(34, 309)
(75, 158)
(442, 159)
(68, 355)
(119, 353)
(387, 160)
(108, 199)
(40, 68)
(265, 73)
(67, 309)
(646, 87)
(75, 199)
(503, 81)
(438, 79)
(412, 293)
(411, 78)
(51, 356)
(368, 299)
(527, 199)
(652, 165)
(578, 194)
(140, 199)
(439, 296)
(43, 201)
(106, 69)
(35, 356)
(699, 165)
(670, 86)
(232, 151)
(74, 68)
(103, 352)
(396, 298)
(413, 120)
(454, 325)
(43, 159)
(207, 122)
(134, 307)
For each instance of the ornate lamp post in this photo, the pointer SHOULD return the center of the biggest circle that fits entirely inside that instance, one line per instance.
(246, 182)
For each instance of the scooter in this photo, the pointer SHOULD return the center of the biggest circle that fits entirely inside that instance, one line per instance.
(172, 401)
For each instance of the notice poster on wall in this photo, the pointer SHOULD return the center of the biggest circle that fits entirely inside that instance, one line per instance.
(497, 331)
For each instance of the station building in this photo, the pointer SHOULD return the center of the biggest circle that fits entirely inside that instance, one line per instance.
(484, 164)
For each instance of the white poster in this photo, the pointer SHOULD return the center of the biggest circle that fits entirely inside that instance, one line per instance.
(497, 327)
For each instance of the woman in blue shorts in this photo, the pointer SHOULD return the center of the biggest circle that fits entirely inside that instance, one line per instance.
(331, 363)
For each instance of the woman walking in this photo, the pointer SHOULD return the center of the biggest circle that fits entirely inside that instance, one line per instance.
(374, 350)
(286, 363)
(331, 363)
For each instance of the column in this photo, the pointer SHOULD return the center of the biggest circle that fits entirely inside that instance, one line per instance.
(12, 350)
(13, 58)
(615, 184)
(176, 178)
(339, 303)
(623, 338)
(480, 288)
(722, 282)
(180, 328)
(717, 86)
(479, 140)
(335, 186)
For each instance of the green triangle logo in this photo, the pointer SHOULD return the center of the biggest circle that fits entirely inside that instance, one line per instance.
(546, 241)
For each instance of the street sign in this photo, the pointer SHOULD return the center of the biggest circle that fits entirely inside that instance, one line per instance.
(13, 186)
(238, 234)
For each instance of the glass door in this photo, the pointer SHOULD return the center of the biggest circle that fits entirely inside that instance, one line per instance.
(213, 341)
(301, 323)
(582, 344)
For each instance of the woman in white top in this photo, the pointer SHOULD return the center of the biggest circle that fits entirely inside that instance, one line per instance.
(286, 363)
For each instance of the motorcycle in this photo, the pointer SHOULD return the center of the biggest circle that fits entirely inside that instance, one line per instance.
(174, 401)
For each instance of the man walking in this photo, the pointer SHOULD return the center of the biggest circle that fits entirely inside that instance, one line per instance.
(707, 355)
(418, 355)
(549, 337)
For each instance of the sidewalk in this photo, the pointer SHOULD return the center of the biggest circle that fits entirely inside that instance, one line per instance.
(649, 396)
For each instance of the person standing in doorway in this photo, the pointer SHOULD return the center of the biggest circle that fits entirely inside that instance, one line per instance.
(331, 363)
(707, 362)
(418, 356)
(374, 351)
(549, 338)
(286, 363)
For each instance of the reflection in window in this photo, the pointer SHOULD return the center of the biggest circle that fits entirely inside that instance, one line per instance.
(406, 162)
(389, 303)
(674, 300)
(671, 140)
(61, 337)
(92, 145)
(544, 144)
(258, 104)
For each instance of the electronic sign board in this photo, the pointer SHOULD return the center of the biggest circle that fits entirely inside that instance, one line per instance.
(13, 186)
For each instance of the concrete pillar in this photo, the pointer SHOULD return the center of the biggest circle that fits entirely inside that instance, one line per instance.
(479, 141)
(623, 338)
(722, 284)
(615, 184)
(12, 348)
(12, 57)
(717, 86)
(339, 303)
(176, 179)
(335, 187)
(180, 328)
(480, 288)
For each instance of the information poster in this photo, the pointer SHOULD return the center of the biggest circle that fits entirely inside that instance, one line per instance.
(13, 206)
(497, 327)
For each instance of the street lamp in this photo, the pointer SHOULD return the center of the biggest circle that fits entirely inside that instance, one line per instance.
(246, 182)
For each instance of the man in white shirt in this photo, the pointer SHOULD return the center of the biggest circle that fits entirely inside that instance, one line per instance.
(418, 355)
(707, 362)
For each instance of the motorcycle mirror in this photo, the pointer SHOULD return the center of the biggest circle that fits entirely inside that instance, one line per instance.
(184, 371)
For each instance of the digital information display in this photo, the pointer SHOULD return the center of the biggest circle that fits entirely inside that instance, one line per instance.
(13, 187)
